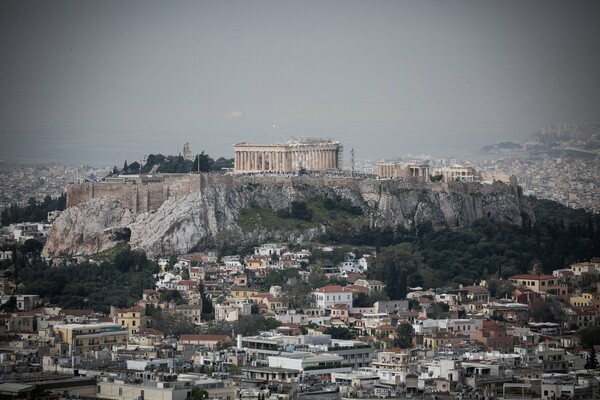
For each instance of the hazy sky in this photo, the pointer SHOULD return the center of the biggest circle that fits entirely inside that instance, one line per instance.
(104, 81)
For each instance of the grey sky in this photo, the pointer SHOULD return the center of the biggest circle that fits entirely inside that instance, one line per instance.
(105, 81)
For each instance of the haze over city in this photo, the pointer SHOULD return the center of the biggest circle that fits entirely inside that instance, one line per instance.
(102, 82)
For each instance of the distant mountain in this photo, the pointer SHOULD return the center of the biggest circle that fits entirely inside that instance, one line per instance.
(507, 145)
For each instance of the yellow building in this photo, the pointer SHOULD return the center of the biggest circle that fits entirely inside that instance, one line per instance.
(583, 300)
(537, 283)
(130, 318)
(239, 292)
(441, 340)
(90, 337)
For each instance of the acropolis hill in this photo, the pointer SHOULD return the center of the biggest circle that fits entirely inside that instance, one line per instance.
(195, 211)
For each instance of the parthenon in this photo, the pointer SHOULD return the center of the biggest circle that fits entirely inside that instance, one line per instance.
(289, 157)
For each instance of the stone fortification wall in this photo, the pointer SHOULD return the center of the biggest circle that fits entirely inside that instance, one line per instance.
(78, 193)
(135, 196)
(148, 197)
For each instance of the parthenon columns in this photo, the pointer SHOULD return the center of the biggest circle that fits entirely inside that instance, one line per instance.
(286, 157)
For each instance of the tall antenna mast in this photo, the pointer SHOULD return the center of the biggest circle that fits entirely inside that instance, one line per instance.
(352, 160)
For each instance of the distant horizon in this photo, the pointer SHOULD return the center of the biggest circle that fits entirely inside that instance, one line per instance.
(171, 149)
(106, 81)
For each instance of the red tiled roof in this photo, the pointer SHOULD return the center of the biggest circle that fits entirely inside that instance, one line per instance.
(187, 283)
(533, 277)
(149, 332)
(132, 309)
(222, 338)
(477, 290)
(330, 289)
(357, 289)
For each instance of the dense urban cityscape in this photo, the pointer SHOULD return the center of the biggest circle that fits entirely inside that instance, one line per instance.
(300, 200)
(309, 319)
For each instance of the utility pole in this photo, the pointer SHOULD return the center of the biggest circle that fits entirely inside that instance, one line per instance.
(352, 161)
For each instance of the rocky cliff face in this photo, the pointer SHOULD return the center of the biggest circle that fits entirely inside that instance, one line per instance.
(206, 218)
(88, 228)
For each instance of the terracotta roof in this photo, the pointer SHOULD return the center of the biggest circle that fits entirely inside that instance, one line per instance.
(357, 289)
(149, 332)
(26, 314)
(385, 327)
(330, 289)
(187, 283)
(533, 277)
(222, 338)
(132, 309)
(477, 290)
(150, 291)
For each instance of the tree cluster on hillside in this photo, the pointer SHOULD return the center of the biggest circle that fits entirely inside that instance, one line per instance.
(430, 257)
(90, 285)
(176, 164)
(34, 211)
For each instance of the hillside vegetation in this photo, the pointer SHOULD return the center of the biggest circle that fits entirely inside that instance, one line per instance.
(422, 256)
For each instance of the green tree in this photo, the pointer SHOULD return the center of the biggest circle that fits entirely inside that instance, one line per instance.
(589, 336)
(10, 305)
(546, 311)
(172, 295)
(339, 332)
(393, 265)
(404, 335)
(316, 277)
(170, 323)
(300, 210)
(591, 362)
(202, 163)
(199, 394)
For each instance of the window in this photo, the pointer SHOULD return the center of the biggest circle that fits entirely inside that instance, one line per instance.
(120, 391)
(99, 389)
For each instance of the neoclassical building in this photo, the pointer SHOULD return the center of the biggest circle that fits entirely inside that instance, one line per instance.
(288, 157)
(396, 170)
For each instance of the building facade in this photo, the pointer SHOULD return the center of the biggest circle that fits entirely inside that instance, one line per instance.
(90, 337)
(328, 296)
(289, 157)
(395, 170)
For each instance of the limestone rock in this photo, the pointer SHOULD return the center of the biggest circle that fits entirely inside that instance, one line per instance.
(209, 217)
(88, 228)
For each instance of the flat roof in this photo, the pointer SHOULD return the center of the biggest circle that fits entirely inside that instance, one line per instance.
(15, 388)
